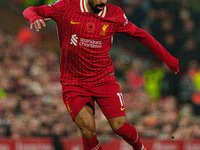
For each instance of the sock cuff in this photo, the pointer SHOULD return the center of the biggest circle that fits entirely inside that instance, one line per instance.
(91, 144)
(93, 138)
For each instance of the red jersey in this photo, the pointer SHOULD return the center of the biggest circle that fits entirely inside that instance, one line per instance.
(86, 39)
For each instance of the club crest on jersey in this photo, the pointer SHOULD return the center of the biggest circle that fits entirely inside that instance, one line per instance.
(90, 27)
(54, 2)
(69, 109)
(104, 30)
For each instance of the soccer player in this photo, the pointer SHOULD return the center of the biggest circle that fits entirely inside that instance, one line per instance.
(85, 30)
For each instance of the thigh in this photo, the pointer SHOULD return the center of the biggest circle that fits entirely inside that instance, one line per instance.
(85, 121)
(85, 117)
(111, 101)
(75, 98)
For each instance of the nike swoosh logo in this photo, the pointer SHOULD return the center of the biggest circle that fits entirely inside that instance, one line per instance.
(122, 109)
(72, 22)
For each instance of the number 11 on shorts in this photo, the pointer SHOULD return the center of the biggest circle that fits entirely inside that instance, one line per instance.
(121, 99)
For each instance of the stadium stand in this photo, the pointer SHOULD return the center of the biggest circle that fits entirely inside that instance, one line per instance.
(158, 103)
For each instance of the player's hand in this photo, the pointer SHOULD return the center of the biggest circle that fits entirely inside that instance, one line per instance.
(39, 23)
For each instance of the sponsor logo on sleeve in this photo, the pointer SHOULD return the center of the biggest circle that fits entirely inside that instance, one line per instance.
(54, 2)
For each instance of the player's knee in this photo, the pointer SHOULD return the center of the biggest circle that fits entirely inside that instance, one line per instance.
(117, 122)
(90, 126)
(85, 121)
(88, 130)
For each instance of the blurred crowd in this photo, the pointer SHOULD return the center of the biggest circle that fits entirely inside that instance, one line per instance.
(158, 102)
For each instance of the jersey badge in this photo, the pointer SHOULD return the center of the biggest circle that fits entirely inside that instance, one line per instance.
(90, 27)
(104, 30)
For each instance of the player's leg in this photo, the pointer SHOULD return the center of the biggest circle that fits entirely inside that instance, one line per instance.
(85, 121)
(82, 113)
(112, 105)
(128, 132)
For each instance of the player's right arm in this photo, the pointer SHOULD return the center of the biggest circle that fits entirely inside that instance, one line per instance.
(38, 15)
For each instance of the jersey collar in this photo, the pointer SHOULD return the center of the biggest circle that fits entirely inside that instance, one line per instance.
(84, 8)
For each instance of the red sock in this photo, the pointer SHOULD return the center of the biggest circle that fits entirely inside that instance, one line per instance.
(91, 144)
(129, 134)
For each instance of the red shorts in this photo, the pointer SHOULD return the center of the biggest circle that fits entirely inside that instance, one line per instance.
(108, 96)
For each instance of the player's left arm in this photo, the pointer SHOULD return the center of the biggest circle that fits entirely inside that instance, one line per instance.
(152, 44)
(128, 28)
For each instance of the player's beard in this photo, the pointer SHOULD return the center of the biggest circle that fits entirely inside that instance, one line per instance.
(95, 7)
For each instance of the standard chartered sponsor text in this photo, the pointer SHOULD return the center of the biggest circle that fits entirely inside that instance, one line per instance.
(90, 43)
